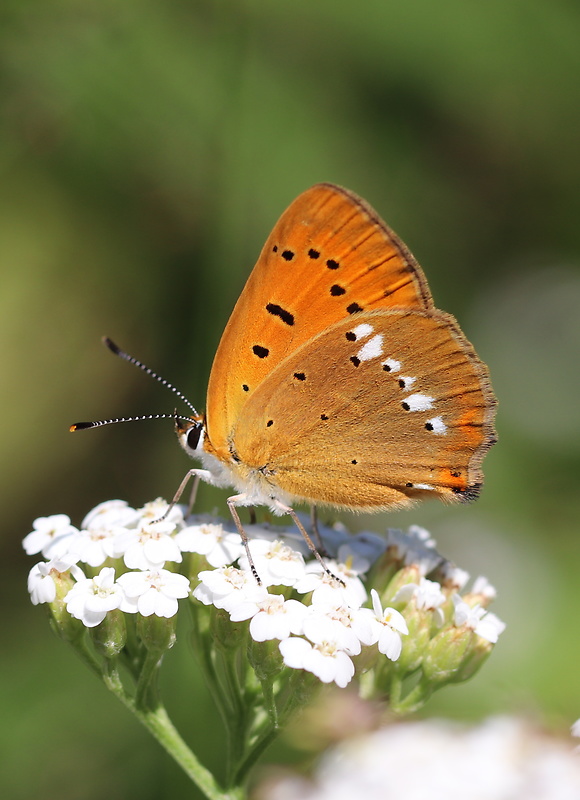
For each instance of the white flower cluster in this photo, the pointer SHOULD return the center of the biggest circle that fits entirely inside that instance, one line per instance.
(502, 759)
(320, 637)
(110, 532)
(321, 628)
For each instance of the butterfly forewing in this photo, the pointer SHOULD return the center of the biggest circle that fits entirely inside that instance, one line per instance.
(373, 412)
(329, 257)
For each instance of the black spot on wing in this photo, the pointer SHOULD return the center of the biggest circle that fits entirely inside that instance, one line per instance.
(278, 311)
(260, 351)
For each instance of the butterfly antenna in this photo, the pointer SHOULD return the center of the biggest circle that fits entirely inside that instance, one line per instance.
(82, 426)
(122, 354)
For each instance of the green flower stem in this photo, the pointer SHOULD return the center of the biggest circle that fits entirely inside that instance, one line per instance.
(84, 650)
(160, 726)
(203, 649)
(367, 684)
(146, 694)
(269, 700)
(223, 682)
(416, 698)
(263, 741)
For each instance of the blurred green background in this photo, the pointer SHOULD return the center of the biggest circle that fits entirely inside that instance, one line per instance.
(146, 149)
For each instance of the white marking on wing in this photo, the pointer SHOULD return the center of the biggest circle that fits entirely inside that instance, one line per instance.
(371, 349)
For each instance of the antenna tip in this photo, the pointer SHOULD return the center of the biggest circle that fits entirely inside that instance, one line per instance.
(80, 426)
(111, 345)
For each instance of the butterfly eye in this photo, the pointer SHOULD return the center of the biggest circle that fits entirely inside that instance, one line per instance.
(194, 435)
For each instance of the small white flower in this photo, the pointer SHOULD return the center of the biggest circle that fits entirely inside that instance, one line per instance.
(228, 587)
(368, 546)
(349, 627)
(391, 624)
(275, 562)
(325, 660)
(110, 514)
(272, 533)
(272, 617)
(51, 536)
(327, 589)
(482, 586)
(95, 545)
(41, 583)
(91, 598)
(333, 537)
(220, 547)
(575, 729)
(353, 559)
(414, 547)
(427, 594)
(153, 591)
(149, 546)
(153, 511)
(482, 622)
(490, 627)
(453, 577)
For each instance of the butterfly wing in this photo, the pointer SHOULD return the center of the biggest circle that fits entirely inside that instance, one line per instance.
(374, 412)
(330, 256)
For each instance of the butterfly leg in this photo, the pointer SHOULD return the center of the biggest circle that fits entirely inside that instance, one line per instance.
(193, 494)
(197, 475)
(288, 510)
(233, 501)
(316, 532)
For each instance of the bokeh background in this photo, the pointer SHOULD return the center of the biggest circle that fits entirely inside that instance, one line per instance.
(146, 149)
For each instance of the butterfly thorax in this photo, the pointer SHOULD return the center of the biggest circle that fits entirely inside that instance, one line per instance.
(226, 468)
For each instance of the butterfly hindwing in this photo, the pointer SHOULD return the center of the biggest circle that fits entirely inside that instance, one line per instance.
(375, 411)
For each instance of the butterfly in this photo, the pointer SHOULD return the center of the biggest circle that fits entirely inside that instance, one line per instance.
(336, 381)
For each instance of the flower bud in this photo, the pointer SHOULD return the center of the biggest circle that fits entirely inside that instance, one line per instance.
(225, 634)
(406, 575)
(415, 645)
(447, 652)
(63, 624)
(110, 636)
(265, 658)
(156, 633)
(478, 654)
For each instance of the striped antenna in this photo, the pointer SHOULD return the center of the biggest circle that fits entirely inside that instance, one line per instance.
(122, 354)
(82, 426)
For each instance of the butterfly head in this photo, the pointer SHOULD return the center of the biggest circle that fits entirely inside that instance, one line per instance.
(191, 433)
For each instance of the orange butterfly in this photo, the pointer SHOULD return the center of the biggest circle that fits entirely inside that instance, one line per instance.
(336, 381)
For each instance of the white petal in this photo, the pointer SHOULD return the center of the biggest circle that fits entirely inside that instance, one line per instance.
(294, 650)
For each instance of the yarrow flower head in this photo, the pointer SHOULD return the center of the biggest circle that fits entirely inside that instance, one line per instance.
(125, 567)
